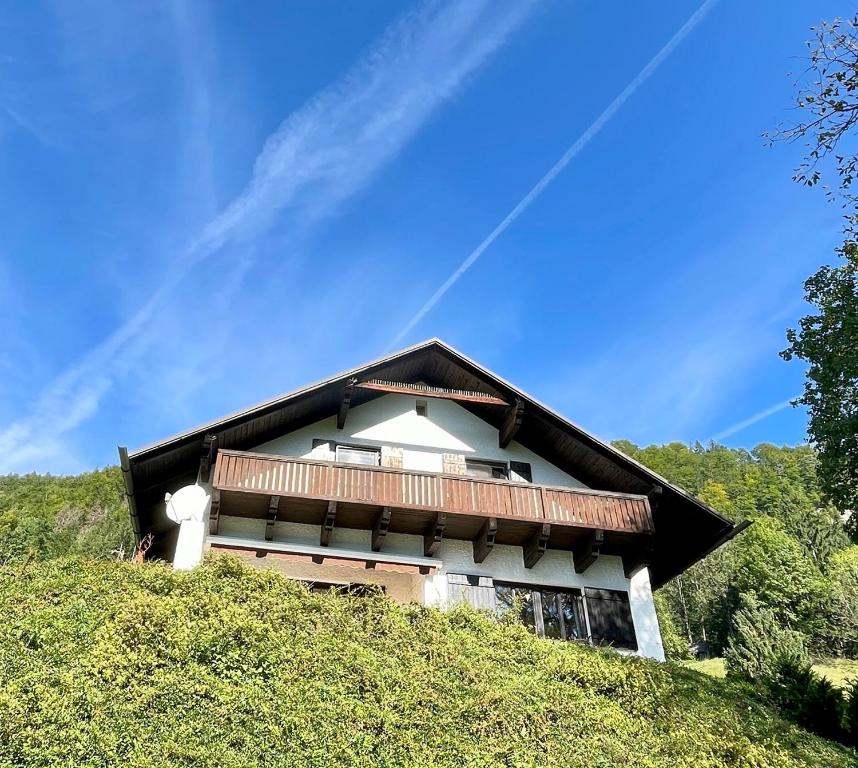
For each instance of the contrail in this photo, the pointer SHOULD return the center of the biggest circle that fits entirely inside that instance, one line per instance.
(739, 426)
(540, 186)
(317, 158)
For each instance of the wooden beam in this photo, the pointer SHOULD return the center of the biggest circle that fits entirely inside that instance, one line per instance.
(328, 524)
(273, 511)
(485, 539)
(379, 530)
(640, 558)
(345, 402)
(536, 545)
(214, 515)
(587, 550)
(207, 457)
(511, 423)
(432, 537)
(425, 390)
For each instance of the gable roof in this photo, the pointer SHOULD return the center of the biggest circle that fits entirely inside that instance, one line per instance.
(686, 528)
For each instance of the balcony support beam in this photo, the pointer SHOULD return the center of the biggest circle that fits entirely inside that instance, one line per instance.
(587, 550)
(536, 545)
(273, 511)
(214, 514)
(345, 402)
(328, 524)
(640, 558)
(485, 540)
(379, 530)
(432, 538)
(511, 423)
(208, 454)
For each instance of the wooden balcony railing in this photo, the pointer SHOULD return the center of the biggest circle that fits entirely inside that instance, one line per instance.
(402, 489)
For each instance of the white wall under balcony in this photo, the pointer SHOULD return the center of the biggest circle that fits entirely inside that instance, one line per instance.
(447, 428)
(504, 563)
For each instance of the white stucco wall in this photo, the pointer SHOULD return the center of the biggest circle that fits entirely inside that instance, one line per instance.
(504, 563)
(448, 428)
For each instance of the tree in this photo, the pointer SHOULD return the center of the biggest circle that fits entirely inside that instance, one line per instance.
(826, 340)
(759, 643)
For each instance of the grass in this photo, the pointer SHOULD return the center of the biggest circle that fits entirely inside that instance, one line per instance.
(838, 671)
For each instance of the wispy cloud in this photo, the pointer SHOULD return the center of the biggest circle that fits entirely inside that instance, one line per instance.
(751, 420)
(540, 186)
(317, 158)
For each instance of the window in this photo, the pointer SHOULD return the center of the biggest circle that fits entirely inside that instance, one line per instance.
(555, 613)
(598, 616)
(422, 408)
(486, 469)
(349, 454)
(355, 590)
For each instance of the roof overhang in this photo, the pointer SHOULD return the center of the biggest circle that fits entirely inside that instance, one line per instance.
(686, 528)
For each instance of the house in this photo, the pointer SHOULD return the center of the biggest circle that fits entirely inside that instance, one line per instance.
(432, 478)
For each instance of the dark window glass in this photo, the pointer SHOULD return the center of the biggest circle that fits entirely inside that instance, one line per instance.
(562, 614)
(552, 617)
(356, 590)
(509, 598)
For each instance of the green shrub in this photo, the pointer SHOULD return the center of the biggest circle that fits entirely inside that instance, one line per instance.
(850, 714)
(809, 699)
(676, 647)
(113, 664)
(759, 643)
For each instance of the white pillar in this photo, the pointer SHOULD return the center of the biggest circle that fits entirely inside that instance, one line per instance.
(644, 616)
(189, 507)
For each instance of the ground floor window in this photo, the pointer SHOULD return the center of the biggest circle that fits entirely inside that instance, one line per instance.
(355, 589)
(598, 616)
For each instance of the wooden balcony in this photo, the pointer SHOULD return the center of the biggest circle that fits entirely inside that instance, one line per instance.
(309, 491)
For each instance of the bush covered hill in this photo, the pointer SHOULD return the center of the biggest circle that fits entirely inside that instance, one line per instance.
(110, 663)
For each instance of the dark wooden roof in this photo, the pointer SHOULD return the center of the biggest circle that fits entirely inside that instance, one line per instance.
(685, 528)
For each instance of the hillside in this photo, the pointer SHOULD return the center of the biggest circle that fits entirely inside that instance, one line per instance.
(106, 663)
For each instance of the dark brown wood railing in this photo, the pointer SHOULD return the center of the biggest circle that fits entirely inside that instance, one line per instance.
(453, 494)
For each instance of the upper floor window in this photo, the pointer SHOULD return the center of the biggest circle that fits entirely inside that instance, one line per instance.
(422, 408)
(349, 454)
(496, 470)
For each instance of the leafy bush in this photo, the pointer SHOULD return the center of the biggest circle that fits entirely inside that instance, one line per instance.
(676, 647)
(759, 643)
(850, 714)
(809, 699)
(108, 663)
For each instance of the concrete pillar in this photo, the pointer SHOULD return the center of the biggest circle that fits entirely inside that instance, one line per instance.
(189, 507)
(644, 616)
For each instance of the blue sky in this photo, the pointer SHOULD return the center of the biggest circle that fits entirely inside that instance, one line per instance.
(202, 207)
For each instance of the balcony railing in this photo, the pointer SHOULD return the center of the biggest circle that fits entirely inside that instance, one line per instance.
(453, 494)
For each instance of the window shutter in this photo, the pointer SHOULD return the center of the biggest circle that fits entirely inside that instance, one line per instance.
(476, 591)
(453, 464)
(519, 472)
(610, 618)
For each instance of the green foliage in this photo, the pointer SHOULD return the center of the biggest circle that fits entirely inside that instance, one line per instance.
(108, 663)
(842, 600)
(47, 516)
(676, 647)
(812, 701)
(826, 341)
(759, 644)
(850, 714)
(783, 560)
